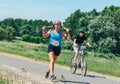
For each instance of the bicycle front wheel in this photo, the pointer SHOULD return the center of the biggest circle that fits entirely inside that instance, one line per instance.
(73, 66)
(83, 66)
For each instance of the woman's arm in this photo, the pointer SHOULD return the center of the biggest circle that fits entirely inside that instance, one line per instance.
(67, 34)
(44, 33)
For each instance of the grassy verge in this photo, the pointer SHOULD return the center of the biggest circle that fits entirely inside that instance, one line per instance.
(2, 80)
(39, 52)
(105, 66)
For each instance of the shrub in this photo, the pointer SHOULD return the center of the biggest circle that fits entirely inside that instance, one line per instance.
(32, 39)
(26, 37)
(107, 45)
(67, 45)
(37, 39)
(42, 40)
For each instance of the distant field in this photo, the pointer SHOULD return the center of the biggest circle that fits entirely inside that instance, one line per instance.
(39, 52)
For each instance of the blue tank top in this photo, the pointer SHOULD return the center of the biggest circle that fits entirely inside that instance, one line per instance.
(55, 39)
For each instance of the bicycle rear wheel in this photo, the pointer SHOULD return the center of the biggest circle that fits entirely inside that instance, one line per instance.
(83, 67)
(73, 66)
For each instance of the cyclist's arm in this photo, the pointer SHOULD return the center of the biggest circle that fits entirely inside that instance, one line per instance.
(74, 42)
(44, 33)
(88, 43)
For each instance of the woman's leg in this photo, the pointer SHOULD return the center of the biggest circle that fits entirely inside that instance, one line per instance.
(53, 58)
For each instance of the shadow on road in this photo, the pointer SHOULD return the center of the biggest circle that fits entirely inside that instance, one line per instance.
(71, 82)
(92, 76)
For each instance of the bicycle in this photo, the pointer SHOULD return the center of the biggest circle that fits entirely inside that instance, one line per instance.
(79, 63)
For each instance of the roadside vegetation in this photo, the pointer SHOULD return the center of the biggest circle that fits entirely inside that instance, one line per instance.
(97, 62)
(9, 76)
(2, 80)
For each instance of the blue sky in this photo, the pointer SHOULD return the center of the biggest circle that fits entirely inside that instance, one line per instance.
(49, 9)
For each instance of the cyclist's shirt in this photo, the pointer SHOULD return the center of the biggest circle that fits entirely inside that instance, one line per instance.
(80, 40)
(55, 39)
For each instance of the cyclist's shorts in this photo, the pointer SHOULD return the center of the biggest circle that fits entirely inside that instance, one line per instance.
(78, 49)
(55, 49)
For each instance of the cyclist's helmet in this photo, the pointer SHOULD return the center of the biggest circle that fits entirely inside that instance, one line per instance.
(81, 31)
(57, 22)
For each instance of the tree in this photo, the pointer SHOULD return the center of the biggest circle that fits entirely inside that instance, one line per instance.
(26, 30)
(2, 33)
(9, 33)
(18, 24)
(93, 13)
(7, 22)
(102, 31)
(117, 24)
(107, 45)
(109, 11)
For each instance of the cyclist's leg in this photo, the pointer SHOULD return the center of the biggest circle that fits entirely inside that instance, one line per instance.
(76, 53)
(76, 56)
(83, 64)
(81, 54)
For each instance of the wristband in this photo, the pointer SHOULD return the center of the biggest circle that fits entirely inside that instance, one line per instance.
(67, 33)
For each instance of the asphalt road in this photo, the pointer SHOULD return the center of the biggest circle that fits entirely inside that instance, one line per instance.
(39, 68)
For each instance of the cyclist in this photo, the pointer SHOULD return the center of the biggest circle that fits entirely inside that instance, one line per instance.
(78, 41)
(54, 47)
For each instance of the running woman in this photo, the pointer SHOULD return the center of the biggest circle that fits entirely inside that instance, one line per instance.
(54, 47)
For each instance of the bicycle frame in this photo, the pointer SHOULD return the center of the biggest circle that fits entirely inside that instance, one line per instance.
(79, 63)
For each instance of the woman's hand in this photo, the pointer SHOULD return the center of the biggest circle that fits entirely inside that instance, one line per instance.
(44, 33)
(66, 29)
(44, 27)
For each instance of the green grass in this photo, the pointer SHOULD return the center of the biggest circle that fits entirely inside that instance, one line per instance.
(101, 64)
(105, 66)
(2, 80)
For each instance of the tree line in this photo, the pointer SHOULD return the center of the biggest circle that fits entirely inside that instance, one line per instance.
(102, 28)
(28, 30)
